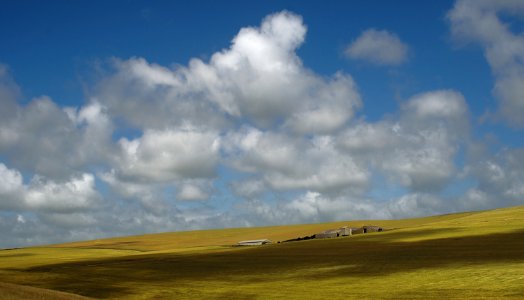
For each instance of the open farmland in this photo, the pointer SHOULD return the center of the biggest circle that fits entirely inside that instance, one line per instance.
(469, 255)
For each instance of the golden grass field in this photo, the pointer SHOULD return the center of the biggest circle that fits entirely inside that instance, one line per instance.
(476, 255)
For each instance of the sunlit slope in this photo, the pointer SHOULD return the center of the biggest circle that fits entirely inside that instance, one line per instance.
(477, 255)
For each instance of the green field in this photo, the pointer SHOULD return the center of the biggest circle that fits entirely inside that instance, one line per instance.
(476, 255)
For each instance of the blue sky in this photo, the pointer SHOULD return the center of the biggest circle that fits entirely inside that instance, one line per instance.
(132, 117)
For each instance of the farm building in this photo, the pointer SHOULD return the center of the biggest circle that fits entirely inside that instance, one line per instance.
(342, 231)
(332, 233)
(357, 230)
(345, 231)
(254, 242)
(371, 229)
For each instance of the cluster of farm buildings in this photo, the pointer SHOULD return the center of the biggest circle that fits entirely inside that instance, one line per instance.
(331, 233)
(346, 231)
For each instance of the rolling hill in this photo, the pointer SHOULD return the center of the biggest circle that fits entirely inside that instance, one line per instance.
(478, 255)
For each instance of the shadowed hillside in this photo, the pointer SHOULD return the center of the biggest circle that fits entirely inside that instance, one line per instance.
(16, 292)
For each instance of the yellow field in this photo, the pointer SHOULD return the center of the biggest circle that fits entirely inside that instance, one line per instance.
(476, 255)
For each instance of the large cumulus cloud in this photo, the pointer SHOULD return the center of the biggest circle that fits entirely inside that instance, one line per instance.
(259, 79)
(417, 148)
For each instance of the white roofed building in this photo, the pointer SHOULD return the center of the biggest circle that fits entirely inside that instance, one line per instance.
(254, 242)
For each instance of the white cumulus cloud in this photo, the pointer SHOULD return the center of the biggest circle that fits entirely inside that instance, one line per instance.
(250, 79)
(43, 195)
(379, 47)
(167, 155)
(484, 22)
(285, 162)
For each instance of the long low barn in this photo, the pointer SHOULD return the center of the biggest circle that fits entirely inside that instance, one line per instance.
(254, 242)
(328, 234)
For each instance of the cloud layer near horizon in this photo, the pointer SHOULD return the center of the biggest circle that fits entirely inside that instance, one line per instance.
(249, 137)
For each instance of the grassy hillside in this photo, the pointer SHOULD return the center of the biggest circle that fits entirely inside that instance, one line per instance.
(470, 255)
(16, 292)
